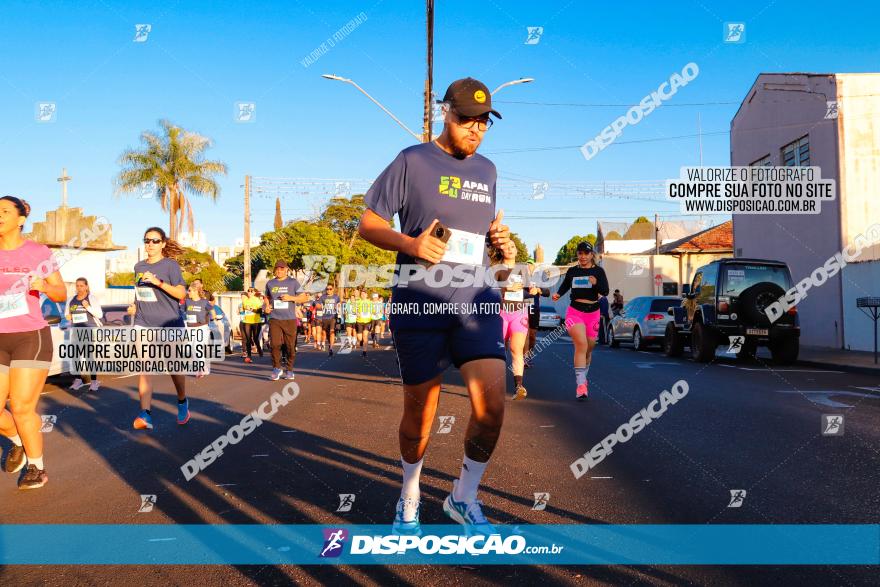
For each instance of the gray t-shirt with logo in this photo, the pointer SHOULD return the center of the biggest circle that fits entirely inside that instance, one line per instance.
(153, 306)
(275, 288)
(424, 182)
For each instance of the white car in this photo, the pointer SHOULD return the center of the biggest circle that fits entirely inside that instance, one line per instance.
(549, 317)
(53, 313)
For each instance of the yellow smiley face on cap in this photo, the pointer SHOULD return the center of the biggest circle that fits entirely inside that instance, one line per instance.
(480, 96)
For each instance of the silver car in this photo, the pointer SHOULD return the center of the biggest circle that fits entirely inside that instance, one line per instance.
(642, 321)
(549, 318)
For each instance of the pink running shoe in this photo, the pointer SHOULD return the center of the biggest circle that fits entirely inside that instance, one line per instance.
(582, 392)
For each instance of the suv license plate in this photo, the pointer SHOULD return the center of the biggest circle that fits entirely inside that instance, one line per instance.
(758, 331)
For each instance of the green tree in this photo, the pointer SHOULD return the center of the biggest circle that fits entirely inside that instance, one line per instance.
(568, 252)
(201, 265)
(119, 279)
(613, 236)
(171, 166)
(640, 220)
(342, 216)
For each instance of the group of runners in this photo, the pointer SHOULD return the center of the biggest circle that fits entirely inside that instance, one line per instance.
(426, 345)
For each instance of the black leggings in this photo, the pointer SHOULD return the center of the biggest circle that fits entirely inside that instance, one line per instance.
(251, 336)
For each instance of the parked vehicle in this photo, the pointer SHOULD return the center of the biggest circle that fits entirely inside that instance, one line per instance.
(642, 321)
(728, 297)
(549, 317)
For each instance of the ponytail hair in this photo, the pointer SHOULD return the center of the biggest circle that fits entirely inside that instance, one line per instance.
(172, 248)
(21, 206)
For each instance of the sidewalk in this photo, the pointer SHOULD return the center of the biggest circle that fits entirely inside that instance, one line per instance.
(854, 361)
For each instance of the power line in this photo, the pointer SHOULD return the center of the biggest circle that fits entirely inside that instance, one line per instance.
(600, 105)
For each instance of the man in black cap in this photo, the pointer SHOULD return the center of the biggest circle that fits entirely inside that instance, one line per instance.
(281, 299)
(444, 181)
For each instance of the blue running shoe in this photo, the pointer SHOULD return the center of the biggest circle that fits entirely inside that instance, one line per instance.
(405, 507)
(276, 374)
(144, 421)
(469, 515)
(183, 412)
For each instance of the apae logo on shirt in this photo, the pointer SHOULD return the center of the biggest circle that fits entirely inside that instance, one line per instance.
(450, 185)
(468, 190)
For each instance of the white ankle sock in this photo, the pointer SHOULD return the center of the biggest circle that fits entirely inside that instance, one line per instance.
(16, 440)
(471, 474)
(38, 462)
(411, 474)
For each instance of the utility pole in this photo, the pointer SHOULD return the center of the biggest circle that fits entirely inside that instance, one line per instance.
(656, 234)
(429, 78)
(247, 231)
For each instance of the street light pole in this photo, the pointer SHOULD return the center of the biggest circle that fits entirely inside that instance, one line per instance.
(429, 78)
(376, 102)
(522, 80)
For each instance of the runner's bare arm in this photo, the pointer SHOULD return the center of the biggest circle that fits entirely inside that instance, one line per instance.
(53, 286)
(376, 230)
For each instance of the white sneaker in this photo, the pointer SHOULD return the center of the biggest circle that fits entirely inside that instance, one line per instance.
(289, 375)
(276, 374)
(77, 383)
(94, 385)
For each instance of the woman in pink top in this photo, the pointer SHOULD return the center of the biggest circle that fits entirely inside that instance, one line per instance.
(26, 269)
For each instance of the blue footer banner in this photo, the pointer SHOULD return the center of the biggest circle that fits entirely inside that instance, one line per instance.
(181, 544)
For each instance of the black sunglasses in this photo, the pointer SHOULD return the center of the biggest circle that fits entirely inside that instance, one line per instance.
(152, 241)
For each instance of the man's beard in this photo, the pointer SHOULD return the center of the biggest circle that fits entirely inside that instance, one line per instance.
(462, 148)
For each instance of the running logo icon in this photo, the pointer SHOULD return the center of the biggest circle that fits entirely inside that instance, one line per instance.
(734, 32)
(147, 503)
(638, 265)
(736, 344)
(141, 32)
(533, 35)
(450, 185)
(245, 112)
(539, 190)
(333, 541)
(541, 500)
(46, 111)
(346, 500)
(832, 424)
(446, 423)
(831, 109)
(737, 496)
(48, 423)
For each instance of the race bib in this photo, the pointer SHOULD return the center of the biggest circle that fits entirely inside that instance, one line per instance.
(581, 282)
(79, 318)
(320, 313)
(464, 247)
(145, 294)
(248, 312)
(191, 319)
(279, 305)
(13, 305)
(513, 296)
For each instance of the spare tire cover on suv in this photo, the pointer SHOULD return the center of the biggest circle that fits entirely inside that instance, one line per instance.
(753, 302)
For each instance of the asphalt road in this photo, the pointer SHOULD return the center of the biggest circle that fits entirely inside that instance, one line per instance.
(749, 427)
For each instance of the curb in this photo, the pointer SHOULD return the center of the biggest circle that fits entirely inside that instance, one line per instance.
(864, 370)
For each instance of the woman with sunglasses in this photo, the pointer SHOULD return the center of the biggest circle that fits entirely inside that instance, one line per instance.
(587, 281)
(159, 289)
(251, 323)
(25, 339)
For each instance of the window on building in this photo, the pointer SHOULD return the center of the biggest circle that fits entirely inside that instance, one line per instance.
(762, 162)
(797, 154)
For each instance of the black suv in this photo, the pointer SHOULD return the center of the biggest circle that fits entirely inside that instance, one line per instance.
(728, 297)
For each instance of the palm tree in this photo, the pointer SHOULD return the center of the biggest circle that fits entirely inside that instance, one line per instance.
(171, 166)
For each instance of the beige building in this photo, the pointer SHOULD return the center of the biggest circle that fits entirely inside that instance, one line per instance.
(636, 274)
(831, 121)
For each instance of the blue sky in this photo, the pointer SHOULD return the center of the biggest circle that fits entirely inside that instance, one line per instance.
(202, 58)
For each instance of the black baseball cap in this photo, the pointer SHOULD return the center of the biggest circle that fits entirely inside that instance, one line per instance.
(585, 246)
(469, 97)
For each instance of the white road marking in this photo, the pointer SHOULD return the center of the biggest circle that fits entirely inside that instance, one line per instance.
(822, 397)
(601, 477)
